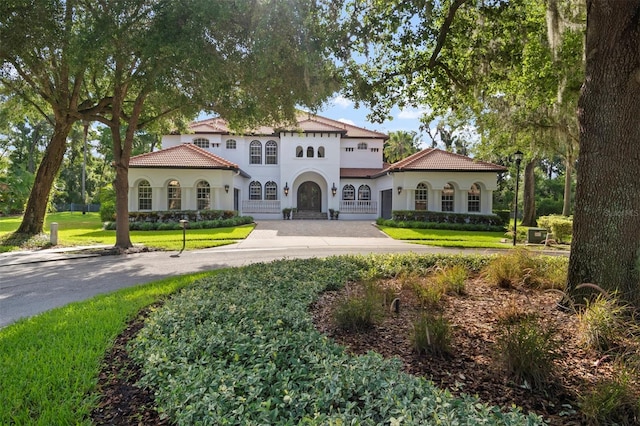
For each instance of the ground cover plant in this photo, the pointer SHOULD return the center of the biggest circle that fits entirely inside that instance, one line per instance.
(241, 348)
(76, 229)
(50, 362)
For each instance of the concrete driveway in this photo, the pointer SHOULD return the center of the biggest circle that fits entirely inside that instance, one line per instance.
(33, 282)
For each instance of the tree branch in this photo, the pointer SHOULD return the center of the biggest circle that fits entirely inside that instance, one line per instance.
(444, 30)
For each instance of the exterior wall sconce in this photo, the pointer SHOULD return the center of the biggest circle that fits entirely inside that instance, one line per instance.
(334, 190)
(226, 189)
(286, 189)
(399, 190)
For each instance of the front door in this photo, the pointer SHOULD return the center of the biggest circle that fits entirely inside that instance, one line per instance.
(309, 197)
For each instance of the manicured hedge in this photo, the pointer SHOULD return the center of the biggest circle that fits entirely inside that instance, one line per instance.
(173, 224)
(560, 226)
(439, 225)
(446, 217)
(241, 348)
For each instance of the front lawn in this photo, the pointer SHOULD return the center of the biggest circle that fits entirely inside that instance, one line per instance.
(76, 229)
(448, 238)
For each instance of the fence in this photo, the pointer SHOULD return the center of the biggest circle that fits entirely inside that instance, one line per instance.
(77, 207)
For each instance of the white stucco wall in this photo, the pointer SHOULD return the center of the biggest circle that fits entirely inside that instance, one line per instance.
(188, 178)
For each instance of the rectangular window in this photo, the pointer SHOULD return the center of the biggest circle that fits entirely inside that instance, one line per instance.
(349, 149)
(175, 202)
(375, 149)
(474, 203)
(231, 144)
(144, 198)
(447, 202)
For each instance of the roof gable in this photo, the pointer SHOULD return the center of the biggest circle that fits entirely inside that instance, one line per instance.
(184, 156)
(305, 122)
(434, 159)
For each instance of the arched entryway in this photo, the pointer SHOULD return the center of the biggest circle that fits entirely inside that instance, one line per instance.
(309, 197)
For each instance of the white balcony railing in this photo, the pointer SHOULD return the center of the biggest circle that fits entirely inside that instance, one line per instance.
(261, 206)
(358, 206)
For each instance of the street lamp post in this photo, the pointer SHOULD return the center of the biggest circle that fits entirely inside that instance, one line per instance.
(517, 156)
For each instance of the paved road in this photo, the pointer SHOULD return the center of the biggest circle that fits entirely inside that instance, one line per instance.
(34, 282)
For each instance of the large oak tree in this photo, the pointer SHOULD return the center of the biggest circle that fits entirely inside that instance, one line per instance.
(456, 54)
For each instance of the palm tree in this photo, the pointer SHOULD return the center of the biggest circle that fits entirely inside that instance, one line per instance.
(400, 145)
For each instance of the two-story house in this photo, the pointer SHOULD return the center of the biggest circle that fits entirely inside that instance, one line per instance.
(317, 166)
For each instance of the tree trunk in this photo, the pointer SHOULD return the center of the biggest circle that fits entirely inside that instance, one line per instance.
(606, 230)
(528, 196)
(121, 185)
(36, 209)
(566, 202)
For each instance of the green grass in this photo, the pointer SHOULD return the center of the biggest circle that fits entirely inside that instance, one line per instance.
(75, 229)
(50, 362)
(448, 238)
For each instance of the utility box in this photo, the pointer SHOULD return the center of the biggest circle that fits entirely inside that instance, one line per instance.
(536, 235)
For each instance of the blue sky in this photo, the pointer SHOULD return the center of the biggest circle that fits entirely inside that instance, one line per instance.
(342, 109)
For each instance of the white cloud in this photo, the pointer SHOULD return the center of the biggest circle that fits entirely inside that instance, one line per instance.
(342, 101)
(346, 121)
(412, 113)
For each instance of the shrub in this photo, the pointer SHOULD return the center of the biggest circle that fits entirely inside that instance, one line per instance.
(108, 211)
(360, 311)
(455, 226)
(611, 401)
(431, 334)
(526, 350)
(560, 226)
(601, 323)
(446, 217)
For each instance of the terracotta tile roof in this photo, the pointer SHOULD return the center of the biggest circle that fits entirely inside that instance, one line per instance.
(306, 122)
(359, 173)
(434, 159)
(184, 156)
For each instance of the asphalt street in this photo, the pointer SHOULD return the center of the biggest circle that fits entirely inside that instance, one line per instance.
(34, 282)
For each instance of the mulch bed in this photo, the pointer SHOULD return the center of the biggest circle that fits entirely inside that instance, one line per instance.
(470, 368)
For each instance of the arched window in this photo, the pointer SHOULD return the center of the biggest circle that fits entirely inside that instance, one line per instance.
(270, 191)
(201, 142)
(348, 192)
(231, 144)
(321, 152)
(309, 152)
(447, 198)
(422, 196)
(255, 152)
(473, 198)
(299, 152)
(362, 145)
(174, 196)
(144, 196)
(203, 195)
(271, 152)
(255, 190)
(364, 193)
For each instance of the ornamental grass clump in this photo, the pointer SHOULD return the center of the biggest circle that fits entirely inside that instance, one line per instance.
(431, 334)
(525, 349)
(361, 310)
(452, 278)
(520, 268)
(612, 401)
(601, 323)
